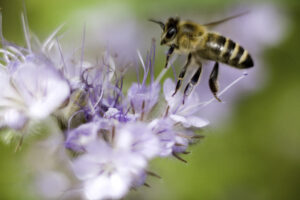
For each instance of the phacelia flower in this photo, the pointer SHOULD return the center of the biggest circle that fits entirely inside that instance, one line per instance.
(80, 137)
(106, 171)
(32, 89)
(177, 109)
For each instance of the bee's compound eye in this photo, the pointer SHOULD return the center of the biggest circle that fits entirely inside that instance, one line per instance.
(171, 32)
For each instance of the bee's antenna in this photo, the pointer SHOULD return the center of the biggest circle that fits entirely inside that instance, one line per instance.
(161, 24)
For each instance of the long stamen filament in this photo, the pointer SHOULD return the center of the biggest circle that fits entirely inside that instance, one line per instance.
(194, 108)
(164, 70)
(26, 32)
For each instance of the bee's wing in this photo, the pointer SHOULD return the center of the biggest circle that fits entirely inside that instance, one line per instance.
(215, 23)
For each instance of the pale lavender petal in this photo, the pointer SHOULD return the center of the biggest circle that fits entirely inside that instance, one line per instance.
(163, 129)
(190, 121)
(81, 136)
(14, 119)
(143, 98)
(181, 144)
(106, 187)
(42, 88)
(138, 138)
(86, 167)
(173, 101)
(52, 184)
(108, 172)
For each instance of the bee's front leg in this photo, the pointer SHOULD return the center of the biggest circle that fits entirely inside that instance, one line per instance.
(182, 74)
(170, 52)
(213, 81)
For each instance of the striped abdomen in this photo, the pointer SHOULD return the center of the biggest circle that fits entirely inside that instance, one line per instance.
(218, 48)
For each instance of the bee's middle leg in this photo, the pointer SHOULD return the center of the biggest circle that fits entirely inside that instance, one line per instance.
(188, 89)
(182, 73)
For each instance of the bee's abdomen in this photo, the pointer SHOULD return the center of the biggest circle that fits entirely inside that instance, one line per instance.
(218, 48)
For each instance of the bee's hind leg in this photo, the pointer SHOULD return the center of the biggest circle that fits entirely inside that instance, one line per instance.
(213, 81)
(182, 73)
(188, 89)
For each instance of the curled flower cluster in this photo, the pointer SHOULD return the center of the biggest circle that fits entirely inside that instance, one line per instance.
(122, 132)
(112, 133)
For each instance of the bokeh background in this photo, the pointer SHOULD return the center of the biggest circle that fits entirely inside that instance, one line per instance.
(253, 153)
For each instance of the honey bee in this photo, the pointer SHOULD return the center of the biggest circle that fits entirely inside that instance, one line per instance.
(197, 42)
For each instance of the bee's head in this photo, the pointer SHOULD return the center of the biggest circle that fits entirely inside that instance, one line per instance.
(170, 30)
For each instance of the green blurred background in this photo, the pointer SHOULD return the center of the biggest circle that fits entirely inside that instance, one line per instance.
(256, 155)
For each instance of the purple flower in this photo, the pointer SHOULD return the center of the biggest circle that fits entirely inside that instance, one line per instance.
(12, 118)
(164, 130)
(143, 98)
(107, 172)
(52, 184)
(138, 138)
(177, 110)
(182, 141)
(139, 180)
(80, 137)
(119, 115)
(33, 89)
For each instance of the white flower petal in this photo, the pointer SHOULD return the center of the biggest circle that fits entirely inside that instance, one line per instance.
(179, 118)
(168, 88)
(190, 121)
(137, 138)
(197, 121)
(52, 184)
(85, 167)
(106, 187)
(14, 119)
(42, 88)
